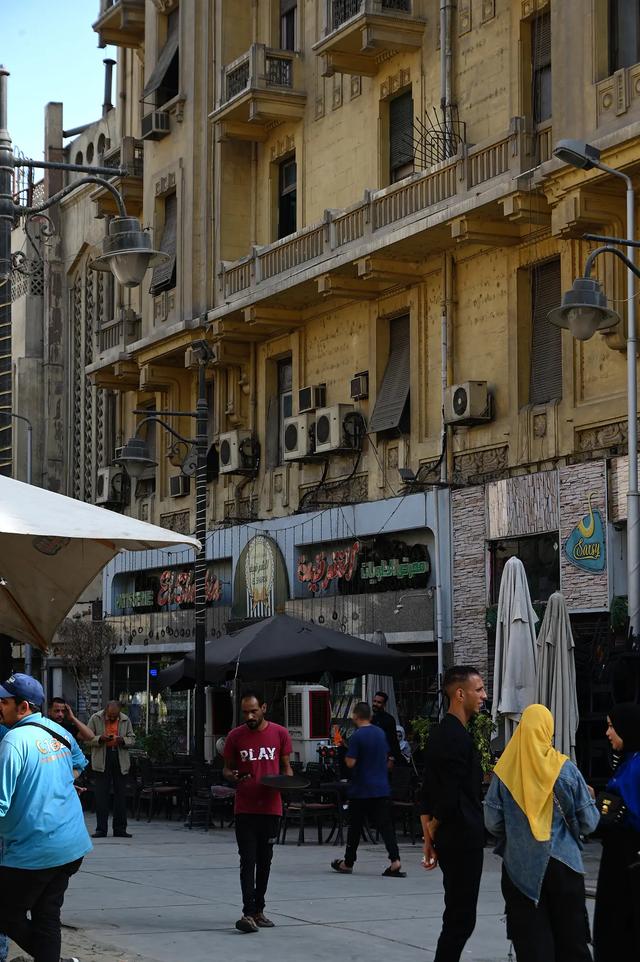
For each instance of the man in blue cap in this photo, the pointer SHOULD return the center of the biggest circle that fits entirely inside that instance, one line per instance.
(43, 838)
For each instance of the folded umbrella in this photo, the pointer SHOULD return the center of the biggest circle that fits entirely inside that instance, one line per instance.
(556, 674)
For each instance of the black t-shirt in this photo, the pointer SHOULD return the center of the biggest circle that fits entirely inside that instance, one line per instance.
(452, 785)
(385, 721)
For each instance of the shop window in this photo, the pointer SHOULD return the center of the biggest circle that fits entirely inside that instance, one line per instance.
(287, 197)
(288, 13)
(392, 411)
(164, 275)
(541, 67)
(164, 83)
(400, 137)
(540, 555)
(624, 34)
(545, 372)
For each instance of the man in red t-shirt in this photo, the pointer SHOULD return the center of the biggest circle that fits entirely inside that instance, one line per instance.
(251, 751)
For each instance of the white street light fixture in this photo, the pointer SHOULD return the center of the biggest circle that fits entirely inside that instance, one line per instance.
(134, 458)
(127, 252)
(584, 310)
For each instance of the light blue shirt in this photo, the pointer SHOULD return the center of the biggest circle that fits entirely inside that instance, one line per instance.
(41, 820)
(525, 859)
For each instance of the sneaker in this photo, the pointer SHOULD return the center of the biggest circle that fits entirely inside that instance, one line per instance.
(122, 835)
(262, 921)
(246, 924)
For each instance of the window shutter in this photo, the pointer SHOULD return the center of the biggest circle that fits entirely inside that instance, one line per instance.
(541, 41)
(401, 131)
(394, 390)
(546, 341)
(164, 276)
(287, 5)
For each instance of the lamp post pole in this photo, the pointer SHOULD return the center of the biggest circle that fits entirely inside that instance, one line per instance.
(6, 226)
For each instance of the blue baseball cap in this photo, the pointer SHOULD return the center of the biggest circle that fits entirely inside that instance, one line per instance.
(23, 688)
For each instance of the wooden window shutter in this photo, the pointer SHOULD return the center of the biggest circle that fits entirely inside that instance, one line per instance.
(393, 395)
(401, 131)
(164, 275)
(545, 382)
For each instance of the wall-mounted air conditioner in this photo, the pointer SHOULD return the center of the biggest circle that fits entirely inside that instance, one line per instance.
(155, 125)
(237, 452)
(330, 433)
(179, 485)
(312, 397)
(360, 386)
(298, 437)
(468, 403)
(106, 492)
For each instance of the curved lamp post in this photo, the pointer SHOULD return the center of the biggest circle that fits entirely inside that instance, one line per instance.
(584, 311)
(135, 459)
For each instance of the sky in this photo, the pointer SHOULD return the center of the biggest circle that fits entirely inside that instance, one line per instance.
(52, 54)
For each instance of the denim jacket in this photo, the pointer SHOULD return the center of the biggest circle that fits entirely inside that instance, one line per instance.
(525, 859)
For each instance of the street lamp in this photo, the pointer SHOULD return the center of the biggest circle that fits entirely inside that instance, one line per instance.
(126, 250)
(584, 310)
(135, 459)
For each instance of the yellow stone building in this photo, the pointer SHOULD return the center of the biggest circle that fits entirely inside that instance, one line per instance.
(365, 219)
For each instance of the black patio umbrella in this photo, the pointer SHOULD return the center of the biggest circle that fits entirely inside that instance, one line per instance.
(285, 648)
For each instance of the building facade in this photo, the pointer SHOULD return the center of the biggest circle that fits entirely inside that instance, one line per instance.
(364, 218)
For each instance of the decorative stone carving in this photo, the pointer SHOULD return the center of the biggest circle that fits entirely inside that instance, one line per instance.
(336, 99)
(610, 438)
(356, 86)
(617, 94)
(176, 521)
(488, 10)
(283, 147)
(165, 6)
(532, 7)
(395, 82)
(464, 17)
(470, 467)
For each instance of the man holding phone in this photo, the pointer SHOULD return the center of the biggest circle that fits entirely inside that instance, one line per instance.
(110, 762)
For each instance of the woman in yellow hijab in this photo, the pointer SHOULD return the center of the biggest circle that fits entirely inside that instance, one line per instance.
(537, 807)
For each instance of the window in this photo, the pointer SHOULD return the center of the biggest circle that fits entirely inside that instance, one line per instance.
(392, 411)
(624, 34)
(400, 137)
(164, 82)
(164, 275)
(288, 10)
(540, 555)
(541, 67)
(287, 198)
(545, 375)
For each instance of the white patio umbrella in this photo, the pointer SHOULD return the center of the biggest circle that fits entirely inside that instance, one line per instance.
(51, 548)
(382, 682)
(514, 675)
(556, 674)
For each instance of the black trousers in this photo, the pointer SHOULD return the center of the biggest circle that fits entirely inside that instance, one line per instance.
(255, 835)
(378, 812)
(111, 780)
(461, 873)
(616, 928)
(41, 893)
(557, 928)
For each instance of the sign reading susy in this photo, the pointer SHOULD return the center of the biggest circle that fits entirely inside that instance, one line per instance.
(586, 545)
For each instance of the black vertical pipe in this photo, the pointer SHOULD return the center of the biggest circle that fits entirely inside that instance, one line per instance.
(201, 562)
(6, 225)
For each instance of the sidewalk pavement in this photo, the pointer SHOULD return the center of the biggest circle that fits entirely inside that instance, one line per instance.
(170, 894)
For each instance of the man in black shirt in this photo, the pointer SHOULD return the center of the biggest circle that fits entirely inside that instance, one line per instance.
(382, 719)
(451, 810)
(60, 712)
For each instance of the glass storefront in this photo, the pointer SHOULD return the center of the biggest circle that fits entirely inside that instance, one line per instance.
(132, 680)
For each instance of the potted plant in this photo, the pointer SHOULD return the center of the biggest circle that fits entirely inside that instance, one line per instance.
(482, 728)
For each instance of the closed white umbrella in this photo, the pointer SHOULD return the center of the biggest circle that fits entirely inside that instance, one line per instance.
(51, 548)
(556, 674)
(514, 675)
(382, 682)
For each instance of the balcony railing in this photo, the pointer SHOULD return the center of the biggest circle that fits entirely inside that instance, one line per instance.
(129, 154)
(121, 22)
(343, 10)
(119, 333)
(422, 195)
(258, 69)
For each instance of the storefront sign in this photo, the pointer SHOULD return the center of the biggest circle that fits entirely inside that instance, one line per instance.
(259, 571)
(135, 599)
(260, 585)
(393, 569)
(170, 589)
(178, 588)
(586, 546)
(324, 569)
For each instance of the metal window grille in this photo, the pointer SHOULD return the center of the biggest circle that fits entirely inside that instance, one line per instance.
(238, 79)
(279, 72)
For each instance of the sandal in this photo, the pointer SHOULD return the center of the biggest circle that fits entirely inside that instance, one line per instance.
(394, 873)
(338, 866)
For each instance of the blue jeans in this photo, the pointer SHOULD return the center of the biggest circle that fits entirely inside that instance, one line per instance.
(4, 948)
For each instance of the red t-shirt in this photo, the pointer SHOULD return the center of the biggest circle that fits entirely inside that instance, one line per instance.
(257, 753)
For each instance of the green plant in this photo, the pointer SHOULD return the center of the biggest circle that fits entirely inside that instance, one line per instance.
(618, 614)
(482, 728)
(491, 618)
(421, 728)
(160, 743)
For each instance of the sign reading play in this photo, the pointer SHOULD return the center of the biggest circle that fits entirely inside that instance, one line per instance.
(586, 546)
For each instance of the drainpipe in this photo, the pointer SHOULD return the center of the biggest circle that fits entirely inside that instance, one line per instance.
(446, 68)
(446, 361)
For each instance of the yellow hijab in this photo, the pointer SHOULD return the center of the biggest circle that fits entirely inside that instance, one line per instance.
(529, 767)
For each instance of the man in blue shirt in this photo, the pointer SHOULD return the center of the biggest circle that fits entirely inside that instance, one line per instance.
(369, 792)
(4, 941)
(43, 838)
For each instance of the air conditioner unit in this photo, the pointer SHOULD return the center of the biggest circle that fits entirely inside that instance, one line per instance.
(312, 397)
(155, 125)
(308, 719)
(235, 452)
(468, 403)
(360, 386)
(179, 485)
(299, 437)
(330, 434)
(105, 490)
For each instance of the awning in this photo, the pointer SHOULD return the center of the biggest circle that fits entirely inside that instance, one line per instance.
(163, 63)
(394, 390)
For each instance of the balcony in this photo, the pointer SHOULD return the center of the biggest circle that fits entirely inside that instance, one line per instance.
(121, 23)
(436, 200)
(119, 333)
(128, 155)
(361, 34)
(260, 88)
